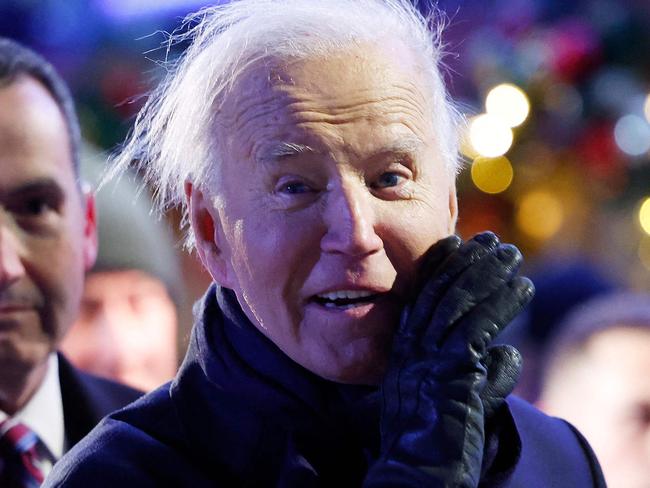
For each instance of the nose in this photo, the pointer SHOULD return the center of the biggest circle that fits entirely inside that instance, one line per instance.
(351, 221)
(11, 266)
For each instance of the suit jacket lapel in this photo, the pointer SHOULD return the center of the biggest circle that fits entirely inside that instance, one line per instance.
(87, 399)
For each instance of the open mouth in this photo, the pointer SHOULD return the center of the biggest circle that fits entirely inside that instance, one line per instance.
(345, 299)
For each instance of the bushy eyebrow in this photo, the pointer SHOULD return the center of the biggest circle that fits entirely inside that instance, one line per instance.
(283, 150)
(47, 186)
(406, 145)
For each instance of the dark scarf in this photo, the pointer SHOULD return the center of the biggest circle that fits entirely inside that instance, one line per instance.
(254, 417)
(243, 401)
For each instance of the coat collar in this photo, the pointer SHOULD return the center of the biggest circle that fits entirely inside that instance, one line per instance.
(237, 386)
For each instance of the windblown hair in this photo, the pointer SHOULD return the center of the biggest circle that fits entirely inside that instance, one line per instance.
(17, 60)
(176, 135)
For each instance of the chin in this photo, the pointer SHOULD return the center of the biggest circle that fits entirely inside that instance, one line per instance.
(369, 370)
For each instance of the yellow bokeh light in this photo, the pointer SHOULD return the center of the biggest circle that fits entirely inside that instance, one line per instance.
(489, 136)
(644, 215)
(508, 103)
(646, 108)
(540, 214)
(492, 175)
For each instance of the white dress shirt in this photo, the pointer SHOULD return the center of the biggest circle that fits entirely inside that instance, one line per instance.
(43, 414)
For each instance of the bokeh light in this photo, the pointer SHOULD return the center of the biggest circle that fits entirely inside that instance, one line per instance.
(492, 175)
(129, 9)
(509, 103)
(489, 136)
(540, 214)
(646, 107)
(632, 135)
(564, 100)
(466, 147)
(613, 87)
(644, 215)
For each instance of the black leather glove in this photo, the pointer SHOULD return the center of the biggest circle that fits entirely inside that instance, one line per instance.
(432, 427)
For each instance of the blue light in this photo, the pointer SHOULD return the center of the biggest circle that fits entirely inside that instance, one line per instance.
(132, 9)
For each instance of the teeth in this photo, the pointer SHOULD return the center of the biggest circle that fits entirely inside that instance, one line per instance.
(345, 294)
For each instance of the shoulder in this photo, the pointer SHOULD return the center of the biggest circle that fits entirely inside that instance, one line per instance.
(87, 399)
(141, 445)
(103, 394)
(553, 452)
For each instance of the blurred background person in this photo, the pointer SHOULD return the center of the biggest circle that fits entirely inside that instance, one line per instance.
(597, 377)
(128, 324)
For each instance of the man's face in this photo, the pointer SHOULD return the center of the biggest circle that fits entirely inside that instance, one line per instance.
(126, 329)
(605, 393)
(332, 189)
(47, 237)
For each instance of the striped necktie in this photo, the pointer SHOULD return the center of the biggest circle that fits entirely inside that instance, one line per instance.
(18, 456)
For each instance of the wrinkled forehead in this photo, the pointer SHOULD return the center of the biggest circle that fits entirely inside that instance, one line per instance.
(363, 83)
(335, 74)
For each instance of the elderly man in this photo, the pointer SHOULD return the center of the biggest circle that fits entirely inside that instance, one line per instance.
(346, 339)
(47, 241)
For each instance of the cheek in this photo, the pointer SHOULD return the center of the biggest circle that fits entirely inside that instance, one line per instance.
(409, 233)
(56, 269)
(257, 250)
(271, 256)
(71, 287)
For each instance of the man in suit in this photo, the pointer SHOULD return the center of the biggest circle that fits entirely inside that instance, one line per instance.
(347, 338)
(47, 242)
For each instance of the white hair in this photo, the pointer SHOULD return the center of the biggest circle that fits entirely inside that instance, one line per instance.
(175, 137)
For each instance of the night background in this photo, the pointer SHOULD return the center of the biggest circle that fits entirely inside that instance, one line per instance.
(570, 187)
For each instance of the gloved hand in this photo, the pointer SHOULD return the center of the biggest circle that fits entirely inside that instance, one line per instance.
(432, 427)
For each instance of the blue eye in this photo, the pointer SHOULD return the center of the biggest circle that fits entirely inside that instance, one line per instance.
(295, 188)
(389, 179)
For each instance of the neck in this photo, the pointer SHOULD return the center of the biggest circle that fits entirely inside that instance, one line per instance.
(17, 386)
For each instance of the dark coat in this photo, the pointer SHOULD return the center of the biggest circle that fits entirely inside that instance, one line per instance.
(241, 413)
(87, 399)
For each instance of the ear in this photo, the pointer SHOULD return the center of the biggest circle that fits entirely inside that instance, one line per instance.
(453, 206)
(90, 241)
(208, 237)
